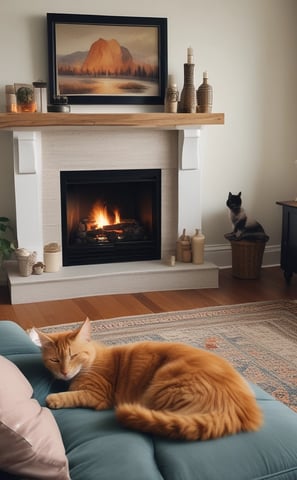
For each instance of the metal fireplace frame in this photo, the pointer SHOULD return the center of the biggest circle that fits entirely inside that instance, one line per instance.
(118, 251)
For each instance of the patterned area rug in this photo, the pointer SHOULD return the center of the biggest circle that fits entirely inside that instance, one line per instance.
(259, 339)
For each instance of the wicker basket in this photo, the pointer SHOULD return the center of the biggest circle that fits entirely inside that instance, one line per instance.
(247, 258)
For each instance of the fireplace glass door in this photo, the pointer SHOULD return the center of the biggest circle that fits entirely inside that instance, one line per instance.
(110, 216)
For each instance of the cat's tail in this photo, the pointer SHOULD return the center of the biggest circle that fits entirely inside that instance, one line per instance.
(191, 426)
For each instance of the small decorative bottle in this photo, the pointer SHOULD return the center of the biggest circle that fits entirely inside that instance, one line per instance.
(171, 97)
(197, 242)
(182, 242)
(188, 94)
(205, 96)
(186, 251)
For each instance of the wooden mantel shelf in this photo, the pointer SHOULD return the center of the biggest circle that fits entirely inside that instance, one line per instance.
(9, 121)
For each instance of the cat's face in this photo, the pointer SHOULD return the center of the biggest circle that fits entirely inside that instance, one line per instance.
(233, 201)
(66, 353)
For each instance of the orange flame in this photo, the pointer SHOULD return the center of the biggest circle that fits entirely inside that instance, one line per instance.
(104, 215)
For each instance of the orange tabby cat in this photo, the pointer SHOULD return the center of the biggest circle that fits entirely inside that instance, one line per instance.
(168, 389)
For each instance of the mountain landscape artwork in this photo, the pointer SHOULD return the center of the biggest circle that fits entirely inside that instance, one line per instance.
(107, 60)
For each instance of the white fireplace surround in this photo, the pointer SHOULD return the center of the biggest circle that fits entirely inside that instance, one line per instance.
(39, 156)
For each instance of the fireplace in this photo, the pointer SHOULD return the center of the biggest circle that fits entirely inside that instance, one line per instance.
(110, 216)
(39, 158)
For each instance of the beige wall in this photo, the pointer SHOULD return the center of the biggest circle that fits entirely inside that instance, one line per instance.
(249, 50)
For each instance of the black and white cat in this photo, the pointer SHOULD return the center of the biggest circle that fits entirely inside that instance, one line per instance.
(244, 228)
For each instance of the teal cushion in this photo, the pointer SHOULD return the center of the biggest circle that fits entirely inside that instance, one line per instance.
(14, 340)
(98, 448)
(104, 448)
(268, 454)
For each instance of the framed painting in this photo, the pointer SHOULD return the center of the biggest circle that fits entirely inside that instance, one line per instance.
(95, 59)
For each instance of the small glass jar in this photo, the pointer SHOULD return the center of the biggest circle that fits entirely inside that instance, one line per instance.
(11, 102)
(40, 96)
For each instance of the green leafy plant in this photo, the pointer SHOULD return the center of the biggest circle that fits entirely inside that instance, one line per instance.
(6, 245)
(25, 95)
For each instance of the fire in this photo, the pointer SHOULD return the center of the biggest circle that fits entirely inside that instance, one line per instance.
(104, 215)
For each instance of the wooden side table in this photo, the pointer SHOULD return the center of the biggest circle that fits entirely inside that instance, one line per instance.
(289, 238)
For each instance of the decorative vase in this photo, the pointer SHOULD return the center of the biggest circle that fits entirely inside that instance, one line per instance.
(183, 248)
(179, 245)
(205, 96)
(197, 242)
(25, 261)
(188, 94)
(171, 97)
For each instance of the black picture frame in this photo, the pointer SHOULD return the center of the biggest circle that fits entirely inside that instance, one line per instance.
(132, 64)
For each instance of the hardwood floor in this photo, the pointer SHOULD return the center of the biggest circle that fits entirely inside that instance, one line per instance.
(270, 286)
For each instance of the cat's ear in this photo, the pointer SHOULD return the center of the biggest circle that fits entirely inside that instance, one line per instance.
(39, 338)
(84, 333)
(239, 194)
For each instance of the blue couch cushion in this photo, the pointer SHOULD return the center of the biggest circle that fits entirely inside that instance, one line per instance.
(98, 448)
(14, 340)
(270, 453)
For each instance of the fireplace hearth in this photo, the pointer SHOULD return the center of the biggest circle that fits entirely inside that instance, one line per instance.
(110, 216)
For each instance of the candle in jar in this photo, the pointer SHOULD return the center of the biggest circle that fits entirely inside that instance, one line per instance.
(190, 55)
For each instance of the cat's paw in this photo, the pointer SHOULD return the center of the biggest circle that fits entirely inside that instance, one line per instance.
(54, 400)
(230, 236)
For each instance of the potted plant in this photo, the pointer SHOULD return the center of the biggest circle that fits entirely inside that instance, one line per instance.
(25, 99)
(6, 245)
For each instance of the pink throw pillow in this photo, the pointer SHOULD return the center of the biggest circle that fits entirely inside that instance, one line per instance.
(30, 441)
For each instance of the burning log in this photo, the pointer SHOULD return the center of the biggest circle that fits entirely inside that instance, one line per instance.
(122, 225)
(124, 231)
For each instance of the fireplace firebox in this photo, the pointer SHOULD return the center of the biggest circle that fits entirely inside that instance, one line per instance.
(110, 216)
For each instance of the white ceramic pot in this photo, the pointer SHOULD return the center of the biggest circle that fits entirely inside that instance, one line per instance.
(53, 261)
